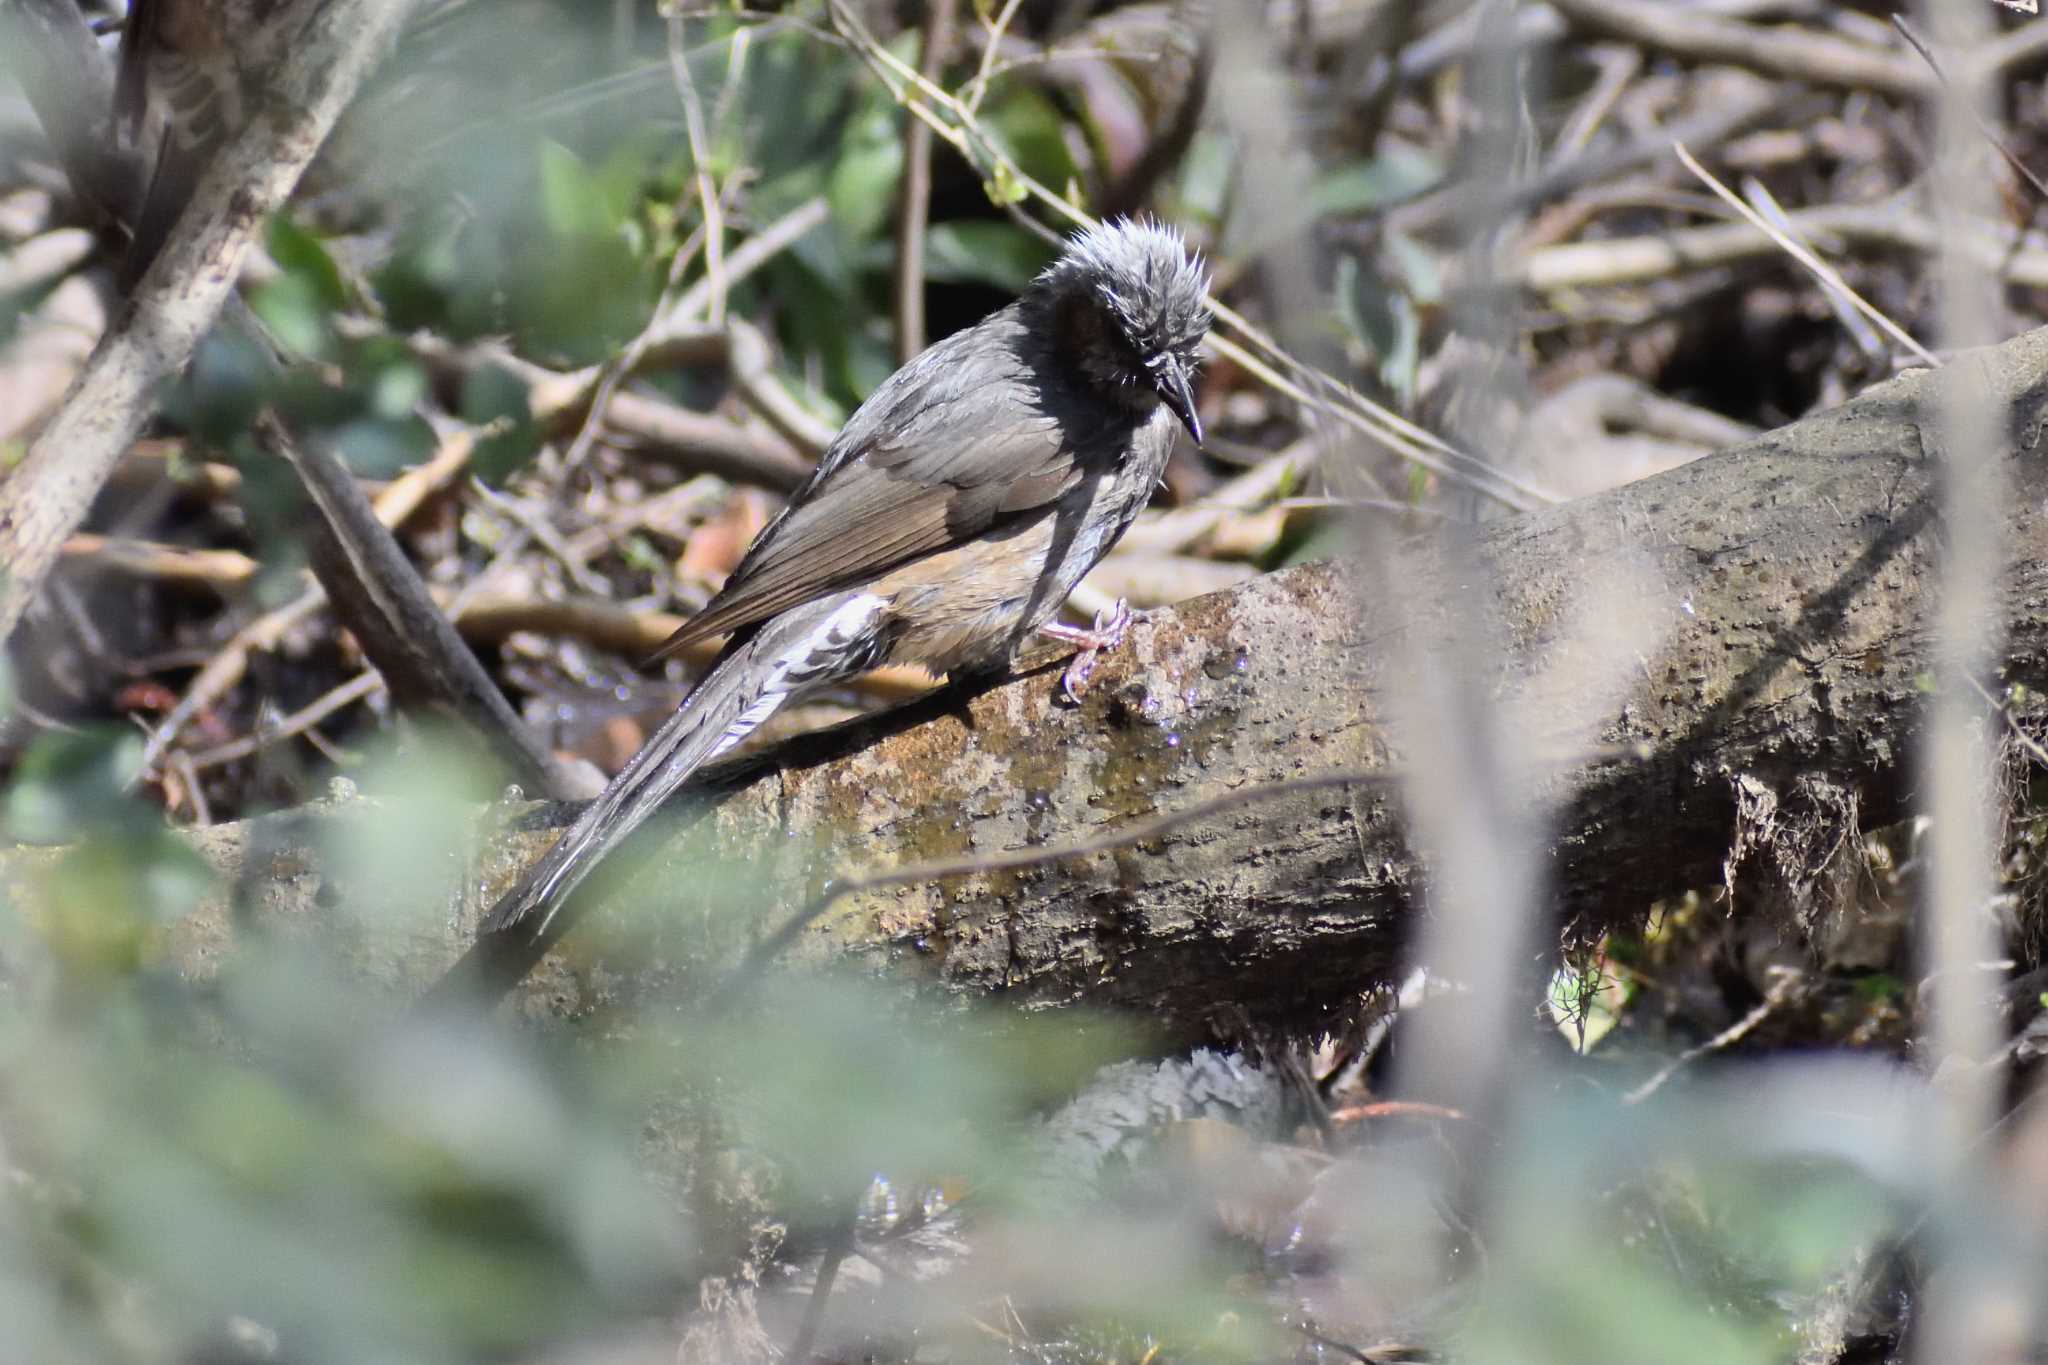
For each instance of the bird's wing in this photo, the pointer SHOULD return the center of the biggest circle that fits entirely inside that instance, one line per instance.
(179, 75)
(950, 447)
(138, 38)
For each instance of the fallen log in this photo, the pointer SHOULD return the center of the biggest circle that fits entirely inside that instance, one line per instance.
(1785, 586)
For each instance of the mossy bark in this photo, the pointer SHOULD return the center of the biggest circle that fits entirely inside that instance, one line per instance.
(1782, 587)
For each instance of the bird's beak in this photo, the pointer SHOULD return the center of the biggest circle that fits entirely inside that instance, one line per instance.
(1179, 396)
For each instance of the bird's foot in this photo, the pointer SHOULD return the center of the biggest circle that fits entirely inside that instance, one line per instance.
(1111, 625)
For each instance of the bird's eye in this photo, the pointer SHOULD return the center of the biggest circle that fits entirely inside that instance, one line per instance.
(1155, 361)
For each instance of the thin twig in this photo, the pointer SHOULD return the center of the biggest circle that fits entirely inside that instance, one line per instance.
(188, 777)
(1342, 402)
(1991, 135)
(46, 496)
(2012, 723)
(828, 1271)
(167, 563)
(914, 191)
(1844, 308)
(536, 524)
(395, 505)
(227, 668)
(622, 367)
(700, 158)
(364, 685)
(1820, 269)
(749, 256)
(1726, 1038)
(997, 27)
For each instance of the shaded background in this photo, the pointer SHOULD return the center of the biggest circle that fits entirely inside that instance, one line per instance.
(1469, 215)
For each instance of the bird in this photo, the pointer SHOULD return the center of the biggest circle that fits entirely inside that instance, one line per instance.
(186, 78)
(944, 525)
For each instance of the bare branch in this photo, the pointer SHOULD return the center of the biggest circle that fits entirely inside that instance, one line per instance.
(1791, 573)
(334, 45)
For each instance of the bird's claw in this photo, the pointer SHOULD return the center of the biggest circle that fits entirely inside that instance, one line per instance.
(1111, 625)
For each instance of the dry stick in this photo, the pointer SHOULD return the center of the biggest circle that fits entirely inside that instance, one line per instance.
(2026, 741)
(2022, 45)
(696, 441)
(617, 371)
(170, 563)
(1893, 227)
(1181, 527)
(1470, 199)
(188, 777)
(1336, 399)
(1759, 197)
(752, 363)
(749, 256)
(679, 322)
(700, 158)
(52, 55)
(1781, 51)
(702, 444)
(40, 262)
(534, 522)
(46, 498)
(1991, 135)
(380, 597)
(1821, 270)
(914, 190)
(226, 669)
(365, 684)
(1726, 1038)
(1616, 71)
(401, 498)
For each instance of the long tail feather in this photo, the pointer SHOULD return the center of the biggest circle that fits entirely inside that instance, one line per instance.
(809, 647)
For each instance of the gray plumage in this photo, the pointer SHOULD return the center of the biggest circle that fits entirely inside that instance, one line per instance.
(185, 82)
(948, 521)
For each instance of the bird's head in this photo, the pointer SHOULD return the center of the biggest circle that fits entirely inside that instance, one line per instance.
(1127, 303)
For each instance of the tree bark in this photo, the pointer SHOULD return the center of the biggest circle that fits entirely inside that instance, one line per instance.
(1786, 582)
(331, 48)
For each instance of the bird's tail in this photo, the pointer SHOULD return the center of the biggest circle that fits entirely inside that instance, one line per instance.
(807, 647)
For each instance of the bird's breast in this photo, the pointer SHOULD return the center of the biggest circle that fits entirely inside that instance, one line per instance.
(972, 605)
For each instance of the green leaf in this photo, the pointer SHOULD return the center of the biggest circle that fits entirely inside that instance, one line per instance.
(580, 300)
(392, 382)
(302, 256)
(226, 385)
(862, 186)
(291, 307)
(1381, 320)
(491, 392)
(572, 199)
(379, 448)
(1397, 174)
(71, 782)
(983, 252)
(1206, 175)
(1416, 267)
(1031, 128)
(417, 287)
(492, 395)
(1004, 188)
